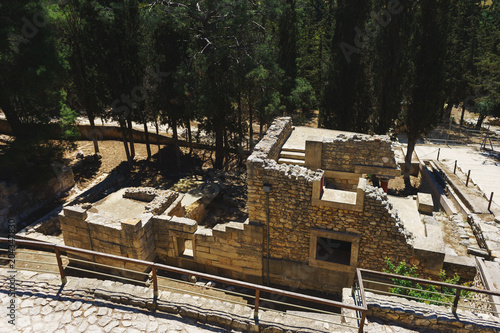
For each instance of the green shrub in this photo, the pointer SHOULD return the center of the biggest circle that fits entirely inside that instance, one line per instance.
(428, 294)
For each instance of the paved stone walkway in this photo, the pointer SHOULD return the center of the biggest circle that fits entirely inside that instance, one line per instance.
(82, 305)
(41, 307)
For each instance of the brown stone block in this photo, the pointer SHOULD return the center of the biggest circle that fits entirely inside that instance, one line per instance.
(75, 212)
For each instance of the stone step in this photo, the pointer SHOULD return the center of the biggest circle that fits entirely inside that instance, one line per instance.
(293, 155)
(289, 149)
(291, 161)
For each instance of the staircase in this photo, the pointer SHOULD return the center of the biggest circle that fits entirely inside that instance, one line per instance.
(295, 156)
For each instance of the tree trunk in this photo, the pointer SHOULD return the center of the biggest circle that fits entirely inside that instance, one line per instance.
(190, 137)
(146, 134)
(219, 146)
(447, 112)
(176, 143)
(463, 113)
(409, 153)
(93, 132)
(12, 118)
(240, 124)
(131, 137)
(250, 116)
(125, 143)
(480, 121)
(158, 140)
(261, 126)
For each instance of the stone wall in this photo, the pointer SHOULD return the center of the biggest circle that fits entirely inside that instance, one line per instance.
(270, 145)
(132, 238)
(292, 216)
(345, 152)
(413, 314)
(232, 250)
(18, 203)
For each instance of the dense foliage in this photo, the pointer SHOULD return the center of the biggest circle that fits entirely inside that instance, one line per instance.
(366, 65)
(415, 291)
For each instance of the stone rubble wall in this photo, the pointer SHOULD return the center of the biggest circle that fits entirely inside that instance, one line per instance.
(158, 200)
(343, 152)
(420, 315)
(270, 145)
(292, 214)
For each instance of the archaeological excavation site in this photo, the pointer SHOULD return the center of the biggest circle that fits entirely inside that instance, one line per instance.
(321, 217)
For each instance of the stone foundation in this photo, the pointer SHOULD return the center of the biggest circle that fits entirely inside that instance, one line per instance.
(232, 250)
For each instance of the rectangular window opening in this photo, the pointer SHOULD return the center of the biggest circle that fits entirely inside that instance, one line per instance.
(185, 247)
(334, 251)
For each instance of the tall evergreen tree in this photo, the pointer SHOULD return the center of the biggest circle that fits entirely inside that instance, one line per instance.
(347, 98)
(425, 97)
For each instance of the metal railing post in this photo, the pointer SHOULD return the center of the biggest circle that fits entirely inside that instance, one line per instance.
(155, 282)
(60, 265)
(467, 182)
(455, 301)
(256, 308)
(362, 322)
(455, 168)
(491, 199)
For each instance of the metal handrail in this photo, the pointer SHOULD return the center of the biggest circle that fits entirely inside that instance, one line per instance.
(155, 266)
(458, 288)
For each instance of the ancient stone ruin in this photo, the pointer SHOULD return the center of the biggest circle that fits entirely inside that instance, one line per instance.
(309, 225)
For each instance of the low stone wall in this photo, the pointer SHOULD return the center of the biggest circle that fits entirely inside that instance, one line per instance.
(233, 250)
(17, 203)
(133, 238)
(270, 145)
(420, 315)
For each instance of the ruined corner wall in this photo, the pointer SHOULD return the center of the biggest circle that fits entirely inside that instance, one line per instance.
(292, 217)
(344, 153)
(232, 250)
(270, 145)
(132, 238)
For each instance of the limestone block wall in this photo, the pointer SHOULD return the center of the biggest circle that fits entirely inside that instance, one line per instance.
(233, 249)
(344, 153)
(132, 238)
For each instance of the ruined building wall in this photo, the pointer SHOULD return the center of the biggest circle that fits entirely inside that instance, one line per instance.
(132, 238)
(293, 218)
(344, 153)
(232, 250)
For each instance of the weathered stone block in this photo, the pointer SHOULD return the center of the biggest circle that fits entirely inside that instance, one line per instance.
(425, 203)
(75, 212)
